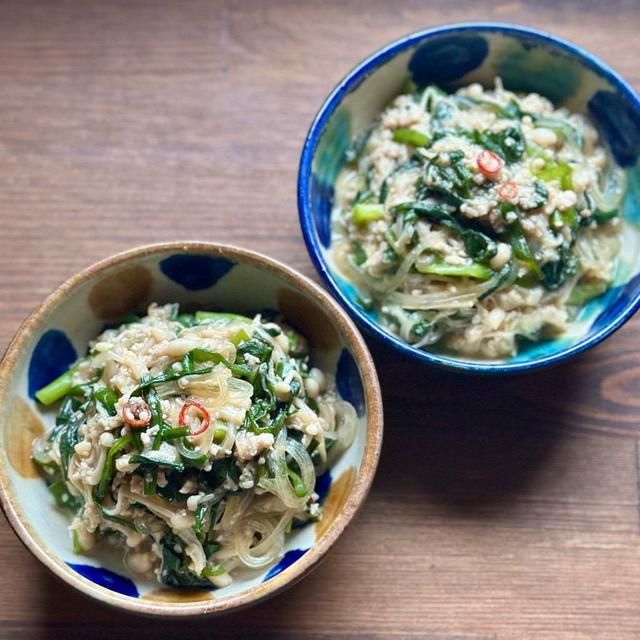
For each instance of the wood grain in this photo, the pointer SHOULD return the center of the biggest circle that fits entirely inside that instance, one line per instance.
(503, 509)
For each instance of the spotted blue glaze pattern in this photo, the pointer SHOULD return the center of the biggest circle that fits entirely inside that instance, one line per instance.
(348, 381)
(287, 560)
(527, 60)
(446, 59)
(51, 357)
(195, 272)
(106, 578)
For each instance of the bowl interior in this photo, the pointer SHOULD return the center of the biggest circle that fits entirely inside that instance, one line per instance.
(456, 56)
(197, 279)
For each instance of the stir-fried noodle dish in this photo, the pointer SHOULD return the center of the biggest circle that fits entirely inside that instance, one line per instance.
(471, 221)
(192, 442)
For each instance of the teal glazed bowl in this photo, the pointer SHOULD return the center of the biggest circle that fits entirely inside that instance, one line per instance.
(198, 276)
(454, 56)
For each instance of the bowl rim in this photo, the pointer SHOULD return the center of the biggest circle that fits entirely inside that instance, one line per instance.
(333, 101)
(373, 439)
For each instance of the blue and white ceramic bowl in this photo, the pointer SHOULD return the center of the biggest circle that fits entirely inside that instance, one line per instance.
(204, 276)
(452, 56)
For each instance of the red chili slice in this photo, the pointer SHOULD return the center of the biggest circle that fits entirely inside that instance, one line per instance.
(489, 163)
(204, 424)
(136, 413)
(508, 191)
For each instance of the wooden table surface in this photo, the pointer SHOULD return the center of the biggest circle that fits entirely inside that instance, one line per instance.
(502, 509)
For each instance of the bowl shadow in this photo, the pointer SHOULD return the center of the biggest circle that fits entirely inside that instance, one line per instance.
(483, 440)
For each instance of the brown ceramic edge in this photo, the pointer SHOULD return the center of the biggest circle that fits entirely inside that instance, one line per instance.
(309, 560)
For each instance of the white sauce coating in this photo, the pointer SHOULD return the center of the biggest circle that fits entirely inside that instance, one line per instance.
(193, 508)
(530, 177)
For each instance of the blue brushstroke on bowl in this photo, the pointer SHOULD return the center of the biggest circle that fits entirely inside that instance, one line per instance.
(352, 292)
(558, 68)
(323, 482)
(333, 146)
(617, 298)
(528, 350)
(631, 204)
(268, 314)
(106, 578)
(614, 115)
(348, 381)
(51, 357)
(322, 197)
(531, 66)
(443, 60)
(195, 272)
(287, 560)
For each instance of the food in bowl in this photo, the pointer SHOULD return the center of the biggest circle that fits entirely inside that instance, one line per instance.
(192, 442)
(472, 220)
